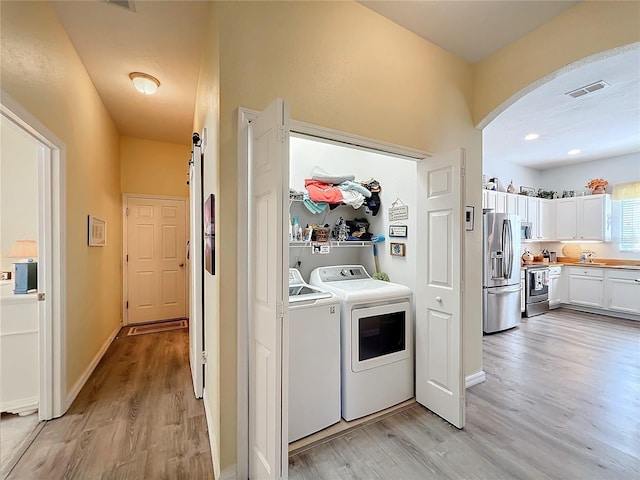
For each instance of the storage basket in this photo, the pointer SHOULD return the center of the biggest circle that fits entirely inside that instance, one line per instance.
(322, 234)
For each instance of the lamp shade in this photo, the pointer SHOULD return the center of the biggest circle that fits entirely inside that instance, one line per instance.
(23, 249)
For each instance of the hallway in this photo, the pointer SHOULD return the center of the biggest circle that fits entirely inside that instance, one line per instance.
(137, 417)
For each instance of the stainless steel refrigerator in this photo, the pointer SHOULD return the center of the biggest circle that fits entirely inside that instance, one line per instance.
(501, 272)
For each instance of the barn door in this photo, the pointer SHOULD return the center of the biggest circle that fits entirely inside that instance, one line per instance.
(196, 272)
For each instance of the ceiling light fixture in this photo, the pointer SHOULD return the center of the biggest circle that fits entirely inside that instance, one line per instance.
(532, 136)
(575, 151)
(144, 83)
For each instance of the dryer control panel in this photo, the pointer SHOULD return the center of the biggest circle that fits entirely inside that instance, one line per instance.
(342, 272)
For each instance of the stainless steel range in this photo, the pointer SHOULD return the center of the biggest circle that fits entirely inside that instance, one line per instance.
(536, 291)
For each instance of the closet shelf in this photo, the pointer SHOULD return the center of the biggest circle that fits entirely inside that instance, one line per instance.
(333, 243)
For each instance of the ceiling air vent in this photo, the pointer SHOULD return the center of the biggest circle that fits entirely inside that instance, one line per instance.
(587, 89)
(128, 4)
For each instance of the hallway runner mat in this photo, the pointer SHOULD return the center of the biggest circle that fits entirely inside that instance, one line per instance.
(157, 327)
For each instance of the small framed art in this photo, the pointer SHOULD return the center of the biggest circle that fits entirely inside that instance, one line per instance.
(397, 249)
(97, 232)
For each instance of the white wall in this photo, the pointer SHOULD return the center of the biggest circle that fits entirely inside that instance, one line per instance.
(397, 178)
(623, 169)
(506, 172)
(18, 190)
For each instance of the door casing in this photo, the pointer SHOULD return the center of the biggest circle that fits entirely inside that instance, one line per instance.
(125, 249)
(53, 398)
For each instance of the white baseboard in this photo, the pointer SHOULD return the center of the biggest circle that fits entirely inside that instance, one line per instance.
(228, 473)
(474, 379)
(71, 396)
(20, 405)
(212, 439)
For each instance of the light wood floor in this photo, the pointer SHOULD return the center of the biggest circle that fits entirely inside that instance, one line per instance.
(136, 417)
(561, 401)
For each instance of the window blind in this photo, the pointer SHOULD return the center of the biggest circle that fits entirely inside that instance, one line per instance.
(630, 224)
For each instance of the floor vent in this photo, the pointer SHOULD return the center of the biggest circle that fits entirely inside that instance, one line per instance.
(587, 89)
(158, 327)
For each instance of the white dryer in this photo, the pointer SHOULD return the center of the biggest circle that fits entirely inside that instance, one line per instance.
(314, 358)
(376, 339)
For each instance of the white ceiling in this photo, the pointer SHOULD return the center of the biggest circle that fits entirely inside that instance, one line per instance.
(164, 39)
(603, 124)
(161, 38)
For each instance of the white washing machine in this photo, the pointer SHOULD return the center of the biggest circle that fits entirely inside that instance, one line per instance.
(376, 339)
(314, 358)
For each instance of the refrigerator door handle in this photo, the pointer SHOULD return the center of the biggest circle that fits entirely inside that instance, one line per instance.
(509, 272)
(503, 290)
(505, 248)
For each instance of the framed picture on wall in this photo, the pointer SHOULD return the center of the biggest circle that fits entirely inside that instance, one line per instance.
(210, 234)
(397, 249)
(97, 232)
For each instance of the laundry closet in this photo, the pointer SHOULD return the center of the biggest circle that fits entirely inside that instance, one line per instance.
(397, 178)
(351, 352)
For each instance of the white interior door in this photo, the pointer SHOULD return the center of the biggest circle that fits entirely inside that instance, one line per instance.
(439, 367)
(156, 257)
(268, 292)
(196, 272)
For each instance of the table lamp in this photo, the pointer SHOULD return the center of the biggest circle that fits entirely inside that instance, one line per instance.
(26, 276)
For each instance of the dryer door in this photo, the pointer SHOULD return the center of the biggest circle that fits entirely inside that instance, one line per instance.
(380, 335)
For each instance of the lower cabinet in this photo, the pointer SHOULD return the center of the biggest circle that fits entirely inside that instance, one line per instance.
(557, 288)
(622, 291)
(586, 286)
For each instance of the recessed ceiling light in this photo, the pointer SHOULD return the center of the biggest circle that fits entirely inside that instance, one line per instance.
(144, 83)
(575, 151)
(532, 136)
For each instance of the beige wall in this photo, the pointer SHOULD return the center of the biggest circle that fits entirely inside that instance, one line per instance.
(586, 29)
(18, 190)
(41, 70)
(345, 67)
(154, 168)
(206, 116)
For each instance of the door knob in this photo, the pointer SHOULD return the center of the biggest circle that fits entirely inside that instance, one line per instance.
(182, 265)
(439, 299)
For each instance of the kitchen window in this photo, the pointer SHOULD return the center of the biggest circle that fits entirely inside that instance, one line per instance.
(630, 225)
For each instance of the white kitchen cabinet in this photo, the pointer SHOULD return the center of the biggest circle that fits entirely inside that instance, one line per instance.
(584, 218)
(521, 207)
(497, 201)
(511, 204)
(546, 219)
(557, 289)
(532, 216)
(566, 219)
(586, 286)
(622, 290)
(490, 198)
(594, 217)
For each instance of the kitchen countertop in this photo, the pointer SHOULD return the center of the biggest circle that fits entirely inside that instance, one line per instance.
(580, 264)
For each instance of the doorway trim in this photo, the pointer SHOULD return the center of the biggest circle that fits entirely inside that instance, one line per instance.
(52, 225)
(245, 116)
(125, 249)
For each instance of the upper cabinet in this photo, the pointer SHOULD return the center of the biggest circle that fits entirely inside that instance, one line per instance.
(584, 218)
(594, 217)
(576, 218)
